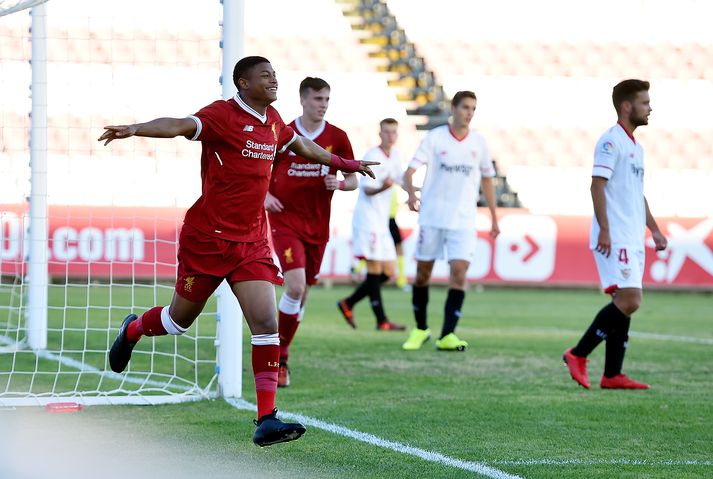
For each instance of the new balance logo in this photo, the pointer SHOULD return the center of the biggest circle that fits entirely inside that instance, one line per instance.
(248, 128)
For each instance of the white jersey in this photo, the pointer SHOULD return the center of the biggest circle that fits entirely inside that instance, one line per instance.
(455, 167)
(372, 211)
(620, 159)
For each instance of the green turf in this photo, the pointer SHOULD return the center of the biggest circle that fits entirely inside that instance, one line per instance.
(508, 399)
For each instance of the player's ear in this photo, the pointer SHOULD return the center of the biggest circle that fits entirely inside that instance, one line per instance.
(243, 84)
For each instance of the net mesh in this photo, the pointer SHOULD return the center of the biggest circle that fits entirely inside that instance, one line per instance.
(115, 211)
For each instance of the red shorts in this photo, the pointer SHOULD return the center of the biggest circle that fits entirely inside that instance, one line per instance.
(204, 261)
(295, 253)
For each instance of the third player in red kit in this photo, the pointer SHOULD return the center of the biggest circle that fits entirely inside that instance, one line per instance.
(299, 206)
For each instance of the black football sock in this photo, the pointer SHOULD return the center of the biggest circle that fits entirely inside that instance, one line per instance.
(359, 293)
(419, 301)
(362, 291)
(617, 341)
(454, 303)
(374, 283)
(597, 332)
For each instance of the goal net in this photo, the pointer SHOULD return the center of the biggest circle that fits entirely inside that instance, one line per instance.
(113, 212)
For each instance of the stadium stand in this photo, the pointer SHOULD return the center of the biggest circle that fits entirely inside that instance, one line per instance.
(543, 88)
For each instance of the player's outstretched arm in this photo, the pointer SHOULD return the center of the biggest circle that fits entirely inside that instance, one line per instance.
(158, 128)
(306, 148)
(660, 241)
(599, 200)
(489, 190)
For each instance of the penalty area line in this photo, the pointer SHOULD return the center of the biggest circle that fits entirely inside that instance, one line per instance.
(426, 455)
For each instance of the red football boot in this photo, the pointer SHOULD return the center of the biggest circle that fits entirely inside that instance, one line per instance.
(577, 368)
(389, 326)
(347, 312)
(620, 381)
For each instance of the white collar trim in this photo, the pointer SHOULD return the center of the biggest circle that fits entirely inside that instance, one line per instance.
(249, 109)
(312, 136)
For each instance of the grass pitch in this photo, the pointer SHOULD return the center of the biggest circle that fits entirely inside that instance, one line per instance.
(507, 402)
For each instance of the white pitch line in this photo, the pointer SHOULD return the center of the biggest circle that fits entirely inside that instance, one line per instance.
(637, 334)
(668, 337)
(602, 462)
(430, 456)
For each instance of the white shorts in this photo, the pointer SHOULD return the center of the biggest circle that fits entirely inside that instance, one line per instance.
(373, 246)
(458, 244)
(624, 268)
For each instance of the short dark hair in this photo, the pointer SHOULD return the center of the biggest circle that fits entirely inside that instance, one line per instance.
(458, 97)
(244, 66)
(312, 83)
(626, 91)
(387, 121)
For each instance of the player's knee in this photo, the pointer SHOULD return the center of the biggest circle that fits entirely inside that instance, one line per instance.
(263, 324)
(295, 289)
(421, 279)
(457, 280)
(628, 304)
(633, 305)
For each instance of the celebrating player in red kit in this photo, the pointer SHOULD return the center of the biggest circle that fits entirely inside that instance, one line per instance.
(299, 206)
(224, 235)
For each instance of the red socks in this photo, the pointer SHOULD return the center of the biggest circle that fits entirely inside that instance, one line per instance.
(148, 324)
(288, 325)
(266, 356)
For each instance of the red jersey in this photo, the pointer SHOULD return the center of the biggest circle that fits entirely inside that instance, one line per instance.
(299, 185)
(239, 146)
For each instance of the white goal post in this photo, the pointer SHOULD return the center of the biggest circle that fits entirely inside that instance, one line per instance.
(85, 250)
(11, 6)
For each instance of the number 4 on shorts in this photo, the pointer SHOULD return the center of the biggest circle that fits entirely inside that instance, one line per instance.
(623, 257)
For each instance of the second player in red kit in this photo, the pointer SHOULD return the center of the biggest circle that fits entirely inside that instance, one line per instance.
(299, 207)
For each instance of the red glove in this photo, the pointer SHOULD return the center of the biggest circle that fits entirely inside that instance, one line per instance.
(348, 166)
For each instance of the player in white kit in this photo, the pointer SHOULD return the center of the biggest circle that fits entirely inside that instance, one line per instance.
(621, 215)
(458, 164)
(371, 238)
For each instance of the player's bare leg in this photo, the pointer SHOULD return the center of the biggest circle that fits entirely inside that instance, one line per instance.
(452, 310)
(419, 300)
(257, 300)
(157, 321)
(289, 308)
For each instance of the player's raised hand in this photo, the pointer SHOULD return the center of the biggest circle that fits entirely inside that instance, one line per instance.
(272, 204)
(660, 241)
(364, 167)
(352, 166)
(117, 133)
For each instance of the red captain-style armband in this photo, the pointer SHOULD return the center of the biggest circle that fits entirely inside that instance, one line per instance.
(349, 166)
